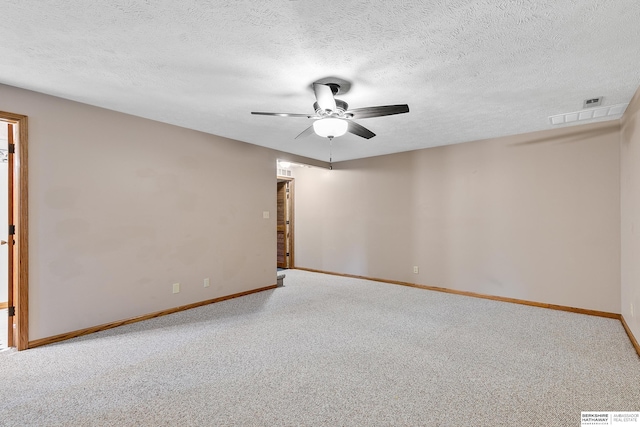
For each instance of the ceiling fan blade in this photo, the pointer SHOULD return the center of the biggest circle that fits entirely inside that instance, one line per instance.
(260, 113)
(308, 131)
(383, 110)
(360, 130)
(324, 96)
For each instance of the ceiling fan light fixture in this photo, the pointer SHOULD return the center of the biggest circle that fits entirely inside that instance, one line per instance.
(330, 127)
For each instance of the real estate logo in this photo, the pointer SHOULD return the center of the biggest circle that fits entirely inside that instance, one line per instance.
(595, 418)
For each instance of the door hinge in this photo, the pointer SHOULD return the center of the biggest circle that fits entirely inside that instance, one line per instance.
(287, 222)
(287, 189)
(287, 253)
(12, 311)
(12, 148)
(12, 229)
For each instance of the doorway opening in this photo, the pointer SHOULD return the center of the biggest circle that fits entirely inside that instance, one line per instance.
(284, 222)
(13, 232)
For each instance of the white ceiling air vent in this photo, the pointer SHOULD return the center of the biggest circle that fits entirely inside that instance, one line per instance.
(592, 102)
(591, 113)
(284, 172)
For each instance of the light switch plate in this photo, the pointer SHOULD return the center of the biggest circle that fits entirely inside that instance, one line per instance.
(265, 214)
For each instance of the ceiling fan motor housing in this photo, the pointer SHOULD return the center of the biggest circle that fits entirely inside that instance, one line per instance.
(341, 108)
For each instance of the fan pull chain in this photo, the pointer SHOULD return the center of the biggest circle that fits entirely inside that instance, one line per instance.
(330, 144)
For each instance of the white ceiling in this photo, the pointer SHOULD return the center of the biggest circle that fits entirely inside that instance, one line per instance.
(469, 69)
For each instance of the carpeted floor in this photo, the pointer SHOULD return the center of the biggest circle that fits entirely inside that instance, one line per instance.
(331, 351)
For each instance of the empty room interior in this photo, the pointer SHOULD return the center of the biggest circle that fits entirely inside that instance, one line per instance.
(461, 183)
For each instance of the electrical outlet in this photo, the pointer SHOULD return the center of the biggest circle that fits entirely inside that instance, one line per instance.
(206, 282)
(176, 288)
(416, 270)
(265, 214)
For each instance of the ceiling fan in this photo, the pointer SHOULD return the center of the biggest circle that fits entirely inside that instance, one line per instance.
(334, 118)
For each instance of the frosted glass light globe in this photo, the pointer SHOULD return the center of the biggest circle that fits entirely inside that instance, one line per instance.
(330, 127)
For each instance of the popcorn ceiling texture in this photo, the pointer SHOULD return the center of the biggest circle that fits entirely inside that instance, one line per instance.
(468, 69)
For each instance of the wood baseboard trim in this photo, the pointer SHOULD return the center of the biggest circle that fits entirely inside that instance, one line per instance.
(476, 295)
(634, 341)
(86, 331)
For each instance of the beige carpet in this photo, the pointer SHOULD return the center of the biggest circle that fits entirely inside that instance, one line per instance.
(331, 351)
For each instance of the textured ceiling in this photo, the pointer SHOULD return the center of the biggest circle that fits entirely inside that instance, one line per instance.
(469, 69)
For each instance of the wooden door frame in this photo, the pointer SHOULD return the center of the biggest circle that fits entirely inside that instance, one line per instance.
(21, 248)
(291, 182)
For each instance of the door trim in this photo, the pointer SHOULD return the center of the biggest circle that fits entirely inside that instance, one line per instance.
(20, 210)
(292, 222)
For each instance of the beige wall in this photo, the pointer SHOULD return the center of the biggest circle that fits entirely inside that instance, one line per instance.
(121, 207)
(630, 199)
(534, 217)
